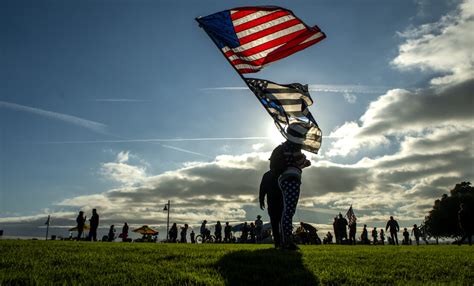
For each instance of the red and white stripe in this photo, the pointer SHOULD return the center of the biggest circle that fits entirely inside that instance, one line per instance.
(267, 35)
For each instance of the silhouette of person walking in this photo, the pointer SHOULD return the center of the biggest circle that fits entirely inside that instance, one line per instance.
(259, 228)
(192, 236)
(341, 225)
(269, 188)
(124, 233)
(245, 233)
(365, 235)
(80, 220)
(289, 161)
(394, 228)
(173, 233)
(465, 224)
(374, 236)
(94, 220)
(352, 232)
(184, 233)
(406, 237)
(111, 234)
(417, 233)
(227, 232)
(382, 237)
(218, 231)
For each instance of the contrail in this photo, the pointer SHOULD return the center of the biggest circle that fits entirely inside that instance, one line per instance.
(320, 88)
(184, 150)
(91, 125)
(119, 100)
(166, 140)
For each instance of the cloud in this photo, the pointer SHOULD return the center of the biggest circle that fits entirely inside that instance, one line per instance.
(444, 46)
(119, 100)
(88, 124)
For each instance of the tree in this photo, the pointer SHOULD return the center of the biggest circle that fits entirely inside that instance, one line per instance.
(442, 220)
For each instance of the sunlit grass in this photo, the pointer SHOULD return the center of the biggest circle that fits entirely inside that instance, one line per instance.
(60, 262)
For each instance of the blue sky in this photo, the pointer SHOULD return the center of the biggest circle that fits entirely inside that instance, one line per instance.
(75, 72)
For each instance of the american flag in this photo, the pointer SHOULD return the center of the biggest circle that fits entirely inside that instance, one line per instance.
(253, 37)
(351, 216)
(288, 106)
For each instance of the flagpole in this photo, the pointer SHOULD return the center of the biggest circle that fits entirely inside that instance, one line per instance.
(237, 71)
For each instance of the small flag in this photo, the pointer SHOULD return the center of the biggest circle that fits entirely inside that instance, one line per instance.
(253, 37)
(48, 220)
(351, 216)
(288, 105)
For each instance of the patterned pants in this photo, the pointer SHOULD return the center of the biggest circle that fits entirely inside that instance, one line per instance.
(290, 188)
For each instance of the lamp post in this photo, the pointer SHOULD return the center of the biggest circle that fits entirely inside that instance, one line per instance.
(167, 208)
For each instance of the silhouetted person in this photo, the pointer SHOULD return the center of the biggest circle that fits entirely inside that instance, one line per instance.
(227, 232)
(341, 226)
(416, 233)
(205, 232)
(259, 228)
(269, 188)
(252, 232)
(192, 236)
(173, 233)
(124, 233)
(288, 158)
(335, 229)
(94, 225)
(218, 231)
(394, 228)
(365, 235)
(184, 233)
(328, 238)
(374, 236)
(465, 224)
(406, 236)
(382, 237)
(352, 232)
(245, 233)
(111, 235)
(80, 220)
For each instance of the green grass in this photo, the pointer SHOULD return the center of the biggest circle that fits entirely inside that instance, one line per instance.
(63, 262)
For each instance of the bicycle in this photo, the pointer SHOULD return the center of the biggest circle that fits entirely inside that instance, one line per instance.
(205, 238)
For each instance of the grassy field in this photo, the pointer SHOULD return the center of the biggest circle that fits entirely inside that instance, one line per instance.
(64, 262)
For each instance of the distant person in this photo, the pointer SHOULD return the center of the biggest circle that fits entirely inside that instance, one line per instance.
(341, 226)
(192, 236)
(245, 233)
(184, 233)
(465, 221)
(111, 234)
(173, 233)
(94, 221)
(269, 188)
(328, 238)
(124, 233)
(290, 161)
(227, 232)
(80, 220)
(382, 237)
(252, 232)
(406, 237)
(416, 233)
(205, 232)
(365, 235)
(374, 236)
(394, 228)
(352, 232)
(259, 228)
(335, 229)
(218, 231)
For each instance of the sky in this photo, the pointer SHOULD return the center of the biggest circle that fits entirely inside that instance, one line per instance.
(124, 105)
